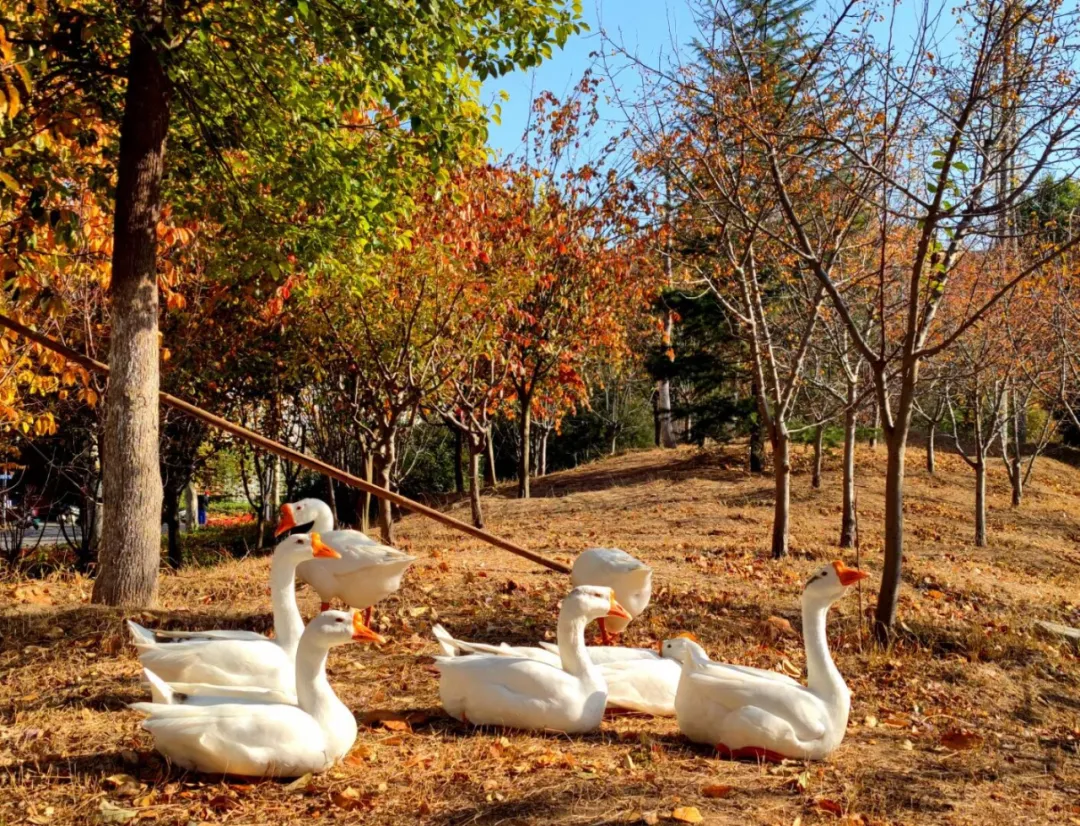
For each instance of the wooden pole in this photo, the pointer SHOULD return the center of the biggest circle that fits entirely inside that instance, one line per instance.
(291, 455)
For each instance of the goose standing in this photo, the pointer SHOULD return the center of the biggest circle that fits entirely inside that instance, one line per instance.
(527, 694)
(267, 739)
(366, 573)
(239, 658)
(749, 712)
(629, 578)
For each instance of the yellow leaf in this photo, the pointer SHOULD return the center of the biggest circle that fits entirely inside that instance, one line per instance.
(9, 182)
(687, 814)
(14, 103)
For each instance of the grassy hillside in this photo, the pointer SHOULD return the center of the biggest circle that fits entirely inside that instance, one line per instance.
(971, 718)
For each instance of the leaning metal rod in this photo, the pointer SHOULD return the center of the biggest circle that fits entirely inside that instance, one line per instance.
(291, 455)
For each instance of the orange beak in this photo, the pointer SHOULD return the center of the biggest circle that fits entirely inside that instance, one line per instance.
(617, 610)
(361, 633)
(848, 576)
(321, 549)
(286, 522)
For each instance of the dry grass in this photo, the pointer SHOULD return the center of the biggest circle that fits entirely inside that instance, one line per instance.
(972, 718)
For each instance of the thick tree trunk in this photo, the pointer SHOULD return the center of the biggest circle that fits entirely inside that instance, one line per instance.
(171, 509)
(667, 429)
(980, 503)
(782, 509)
(848, 518)
(524, 459)
(819, 438)
(931, 458)
(475, 453)
(459, 473)
(131, 541)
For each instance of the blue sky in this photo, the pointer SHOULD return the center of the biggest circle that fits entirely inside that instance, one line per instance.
(648, 28)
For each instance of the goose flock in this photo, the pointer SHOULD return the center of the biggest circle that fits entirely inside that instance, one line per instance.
(237, 702)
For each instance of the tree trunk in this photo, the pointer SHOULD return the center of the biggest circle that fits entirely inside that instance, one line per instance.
(656, 417)
(131, 541)
(524, 459)
(757, 450)
(385, 466)
(331, 498)
(667, 429)
(543, 452)
(475, 452)
(931, 458)
(980, 503)
(171, 509)
(191, 507)
(459, 474)
(819, 438)
(493, 479)
(782, 511)
(369, 477)
(885, 615)
(848, 518)
(875, 426)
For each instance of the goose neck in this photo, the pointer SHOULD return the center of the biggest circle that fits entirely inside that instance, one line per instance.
(822, 676)
(571, 634)
(324, 519)
(288, 624)
(313, 692)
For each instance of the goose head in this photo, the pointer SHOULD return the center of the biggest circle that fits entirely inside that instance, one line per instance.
(304, 512)
(682, 649)
(332, 628)
(830, 582)
(593, 602)
(304, 546)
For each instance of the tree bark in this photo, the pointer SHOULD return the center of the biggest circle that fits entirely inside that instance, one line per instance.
(980, 503)
(782, 509)
(757, 450)
(524, 459)
(931, 458)
(848, 518)
(885, 615)
(875, 426)
(493, 478)
(369, 476)
(191, 507)
(543, 451)
(475, 452)
(385, 466)
(131, 540)
(656, 417)
(819, 438)
(667, 429)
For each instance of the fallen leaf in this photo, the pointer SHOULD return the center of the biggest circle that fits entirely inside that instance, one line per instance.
(223, 803)
(109, 812)
(347, 799)
(830, 806)
(687, 814)
(650, 818)
(781, 626)
(300, 783)
(396, 725)
(961, 740)
(935, 595)
(870, 721)
(718, 790)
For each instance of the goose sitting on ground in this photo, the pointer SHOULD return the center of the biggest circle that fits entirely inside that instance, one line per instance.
(749, 712)
(629, 578)
(239, 658)
(637, 678)
(267, 739)
(527, 694)
(366, 573)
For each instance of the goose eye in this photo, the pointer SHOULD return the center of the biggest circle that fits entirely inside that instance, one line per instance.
(339, 619)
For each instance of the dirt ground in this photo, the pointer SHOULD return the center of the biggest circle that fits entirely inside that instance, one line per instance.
(972, 717)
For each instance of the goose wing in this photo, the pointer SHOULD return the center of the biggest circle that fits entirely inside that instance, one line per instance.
(734, 689)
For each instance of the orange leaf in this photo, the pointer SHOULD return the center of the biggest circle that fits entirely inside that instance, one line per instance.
(830, 806)
(687, 814)
(718, 790)
(961, 740)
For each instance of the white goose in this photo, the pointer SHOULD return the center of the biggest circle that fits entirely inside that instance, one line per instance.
(638, 679)
(239, 658)
(629, 578)
(522, 693)
(749, 712)
(367, 571)
(267, 739)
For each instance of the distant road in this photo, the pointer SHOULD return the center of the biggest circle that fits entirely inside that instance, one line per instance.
(51, 534)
